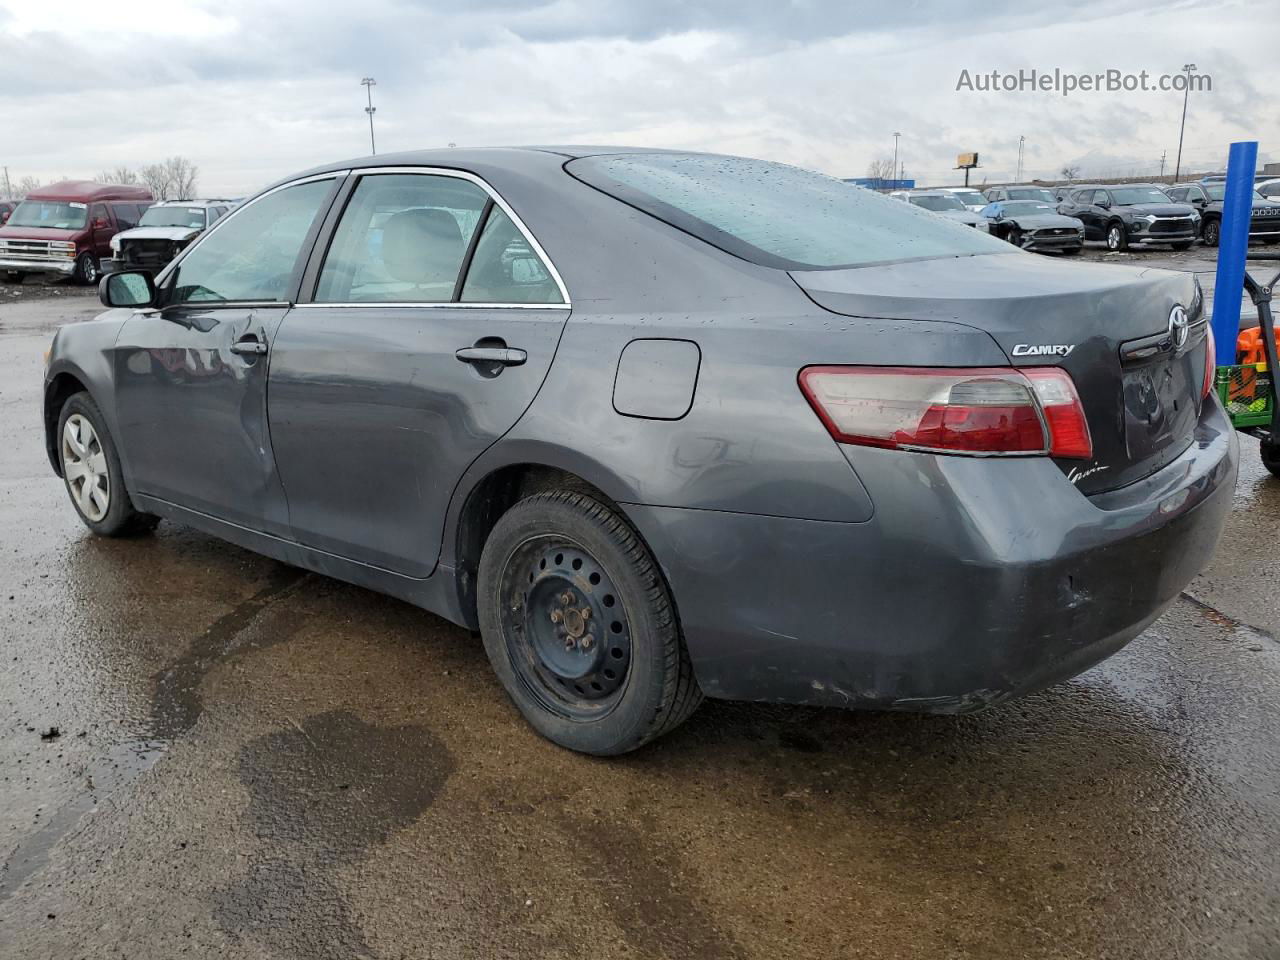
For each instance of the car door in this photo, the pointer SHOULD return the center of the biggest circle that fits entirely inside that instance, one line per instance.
(434, 319)
(103, 226)
(191, 376)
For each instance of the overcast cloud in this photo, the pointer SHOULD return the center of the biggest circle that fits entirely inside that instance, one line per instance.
(251, 91)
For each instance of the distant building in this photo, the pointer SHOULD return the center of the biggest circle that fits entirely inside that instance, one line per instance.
(876, 183)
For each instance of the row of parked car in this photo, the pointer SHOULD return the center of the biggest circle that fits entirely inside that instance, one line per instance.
(81, 229)
(1121, 215)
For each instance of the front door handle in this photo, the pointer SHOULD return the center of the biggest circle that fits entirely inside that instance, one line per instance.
(506, 356)
(249, 346)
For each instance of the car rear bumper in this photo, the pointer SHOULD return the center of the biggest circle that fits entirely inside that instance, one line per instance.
(975, 581)
(38, 266)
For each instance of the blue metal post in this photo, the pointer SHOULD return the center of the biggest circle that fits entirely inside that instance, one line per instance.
(1233, 246)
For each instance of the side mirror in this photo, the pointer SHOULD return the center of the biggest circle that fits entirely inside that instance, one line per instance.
(128, 289)
(1105, 204)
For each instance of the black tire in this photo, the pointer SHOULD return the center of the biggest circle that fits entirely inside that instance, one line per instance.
(1015, 237)
(562, 552)
(1271, 458)
(1116, 236)
(1183, 245)
(87, 272)
(1210, 231)
(120, 517)
(14, 276)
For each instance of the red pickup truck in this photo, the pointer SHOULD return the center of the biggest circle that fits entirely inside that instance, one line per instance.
(66, 228)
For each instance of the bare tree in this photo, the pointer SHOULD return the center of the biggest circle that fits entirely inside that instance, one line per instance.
(155, 177)
(881, 169)
(122, 175)
(182, 177)
(25, 186)
(1069, 172)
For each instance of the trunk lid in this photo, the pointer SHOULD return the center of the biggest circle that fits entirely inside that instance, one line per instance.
(1108, 326)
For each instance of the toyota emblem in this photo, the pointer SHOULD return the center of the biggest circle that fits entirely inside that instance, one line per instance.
(1178, 322)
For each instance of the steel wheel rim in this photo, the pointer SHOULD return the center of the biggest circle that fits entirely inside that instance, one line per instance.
(84, 465)
(567, 633)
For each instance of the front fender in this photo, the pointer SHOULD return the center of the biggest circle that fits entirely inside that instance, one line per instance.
(81, 359)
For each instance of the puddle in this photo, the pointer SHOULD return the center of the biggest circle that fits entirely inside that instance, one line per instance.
(321, 794)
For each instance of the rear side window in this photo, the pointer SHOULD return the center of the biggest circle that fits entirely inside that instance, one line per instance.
(505, 269)
(253, 255)
(779, 216)
(402, 238)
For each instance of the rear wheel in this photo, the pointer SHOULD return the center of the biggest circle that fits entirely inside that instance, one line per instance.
(1209, 233)
(1117, 239)
(580, 627)
(91, 471)
(1271, 458)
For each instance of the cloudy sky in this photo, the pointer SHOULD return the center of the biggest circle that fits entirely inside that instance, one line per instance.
(251, 90)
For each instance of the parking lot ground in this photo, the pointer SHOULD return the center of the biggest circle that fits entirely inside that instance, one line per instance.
(206, 753)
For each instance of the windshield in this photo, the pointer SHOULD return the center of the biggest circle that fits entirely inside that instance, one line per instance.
(937, 203)
(777, 215)
(1022, 208)
(49, 214)
(1127, 196)
(173, 217)
(1031, 193)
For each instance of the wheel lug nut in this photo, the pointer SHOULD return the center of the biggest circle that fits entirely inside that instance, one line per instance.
(586, 613)
(588, 642)
(556, 616)
(566, 598)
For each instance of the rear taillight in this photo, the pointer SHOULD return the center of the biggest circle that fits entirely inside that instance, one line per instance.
(984, 410)
(1210, 360)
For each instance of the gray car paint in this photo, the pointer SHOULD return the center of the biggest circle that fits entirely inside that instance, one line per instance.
(803, 570)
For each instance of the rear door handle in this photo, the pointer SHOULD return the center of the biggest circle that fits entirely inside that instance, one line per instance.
(249, 346)
(507, 356)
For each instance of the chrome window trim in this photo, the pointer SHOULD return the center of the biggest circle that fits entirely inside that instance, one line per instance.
(163, 275)
(418, 305)
(493, 195)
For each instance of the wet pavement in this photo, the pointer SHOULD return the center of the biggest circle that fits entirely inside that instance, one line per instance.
(252, 761)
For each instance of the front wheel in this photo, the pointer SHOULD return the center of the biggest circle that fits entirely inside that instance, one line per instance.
(91, 471)
(87, 269)
(580, 628)
(1116, 238)
(1210, 232)
(1271, 458)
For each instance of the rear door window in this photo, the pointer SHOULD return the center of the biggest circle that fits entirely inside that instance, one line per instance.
(779, 216)
(402, 238)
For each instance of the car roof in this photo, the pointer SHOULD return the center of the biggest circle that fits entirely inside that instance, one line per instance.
(190, 203)
(86, 191)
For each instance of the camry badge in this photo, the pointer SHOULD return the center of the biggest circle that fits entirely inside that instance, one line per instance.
(1043, 349)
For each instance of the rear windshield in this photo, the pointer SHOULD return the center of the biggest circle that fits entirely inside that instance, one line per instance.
(1030, 193)
(50, 214)
(779, 216)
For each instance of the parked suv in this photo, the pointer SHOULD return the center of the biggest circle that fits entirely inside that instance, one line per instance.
(945, 204)
(1131, 213)
(1016, 192)
(163, 232)
(1207, 199)
(66, 228)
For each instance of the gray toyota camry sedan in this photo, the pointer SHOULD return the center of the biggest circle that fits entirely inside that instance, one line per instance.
(663, 426)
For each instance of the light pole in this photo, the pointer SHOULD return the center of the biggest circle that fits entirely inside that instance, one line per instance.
(1021, 141)
(895, 154)
(369, 83)
(1186, 91)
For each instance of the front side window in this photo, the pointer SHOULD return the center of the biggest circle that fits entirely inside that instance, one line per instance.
(252, 256)
(779, 216)
(50, 214)
(402, 238)
(505, 268)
